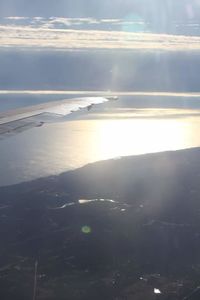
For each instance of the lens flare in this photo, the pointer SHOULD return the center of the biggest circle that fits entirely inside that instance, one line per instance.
(86, 229)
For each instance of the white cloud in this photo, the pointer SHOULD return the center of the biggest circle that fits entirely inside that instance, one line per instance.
(45, 33)
(100, 93)
(16, 18)
(111, 20)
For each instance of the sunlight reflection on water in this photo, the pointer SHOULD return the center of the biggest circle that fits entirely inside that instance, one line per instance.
(95, 140)
(56, 148)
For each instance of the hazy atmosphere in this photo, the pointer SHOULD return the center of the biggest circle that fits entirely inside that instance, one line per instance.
(100, 202)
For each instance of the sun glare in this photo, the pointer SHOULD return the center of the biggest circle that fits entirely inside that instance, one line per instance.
(73, 144)
(114, 138)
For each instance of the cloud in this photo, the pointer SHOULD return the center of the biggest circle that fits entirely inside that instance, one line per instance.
(16, 18)
(100, 93)
(25, 37)
(55, 22)
(86, 33)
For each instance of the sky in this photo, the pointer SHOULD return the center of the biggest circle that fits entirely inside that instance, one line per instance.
(146, 45)
(164, 11)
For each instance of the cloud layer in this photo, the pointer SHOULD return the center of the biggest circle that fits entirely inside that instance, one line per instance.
(61, 34)
(100, 93)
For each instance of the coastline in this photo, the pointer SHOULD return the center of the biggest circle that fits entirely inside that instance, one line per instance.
(122, 227)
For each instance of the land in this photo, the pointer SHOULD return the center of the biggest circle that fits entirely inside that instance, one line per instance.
(115, 229)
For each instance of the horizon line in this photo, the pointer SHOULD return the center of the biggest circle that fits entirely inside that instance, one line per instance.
(102, 93)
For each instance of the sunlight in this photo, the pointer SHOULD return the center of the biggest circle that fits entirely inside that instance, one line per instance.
(69, 145)
(127, 137)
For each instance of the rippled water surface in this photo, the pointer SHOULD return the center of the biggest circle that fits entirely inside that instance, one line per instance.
(130, 126)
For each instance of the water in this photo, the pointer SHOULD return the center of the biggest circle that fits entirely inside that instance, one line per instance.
(131, 126)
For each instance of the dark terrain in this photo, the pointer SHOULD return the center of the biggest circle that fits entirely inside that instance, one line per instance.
(140, 231)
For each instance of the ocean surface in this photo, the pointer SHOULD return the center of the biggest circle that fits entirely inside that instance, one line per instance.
(135, 124)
